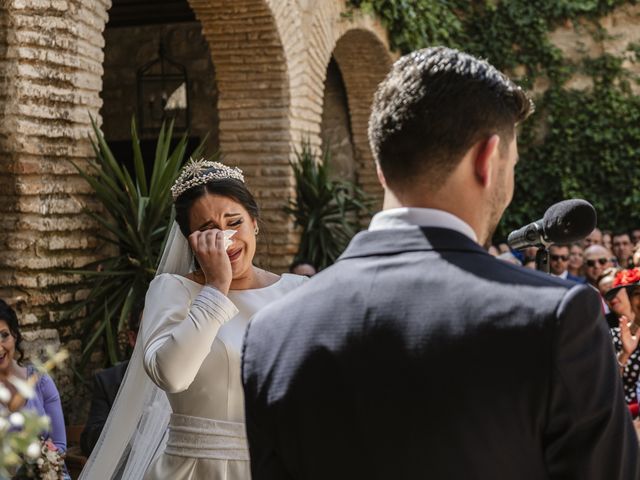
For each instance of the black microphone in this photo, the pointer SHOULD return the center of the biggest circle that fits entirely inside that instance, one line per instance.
(564, 222)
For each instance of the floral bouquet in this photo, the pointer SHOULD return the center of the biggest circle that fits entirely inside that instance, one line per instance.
(21, 448)
(43, 461)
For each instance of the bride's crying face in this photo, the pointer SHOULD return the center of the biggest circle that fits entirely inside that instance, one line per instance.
(217, 211)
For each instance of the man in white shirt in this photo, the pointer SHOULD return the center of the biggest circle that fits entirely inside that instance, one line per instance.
(559, 263)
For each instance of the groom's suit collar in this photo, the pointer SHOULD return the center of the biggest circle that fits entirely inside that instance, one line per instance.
(409, 239)
(404, 217)
(412, 229)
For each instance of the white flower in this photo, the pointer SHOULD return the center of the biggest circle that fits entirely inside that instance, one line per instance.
(5, 394)
(16, 419)
(50, 475)
(33, 450)
(52, 456)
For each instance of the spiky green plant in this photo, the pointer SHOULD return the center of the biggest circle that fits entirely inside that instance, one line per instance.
(136, 216)
(328, 211)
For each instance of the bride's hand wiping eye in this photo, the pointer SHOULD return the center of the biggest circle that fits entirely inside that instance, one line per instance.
(209, 248)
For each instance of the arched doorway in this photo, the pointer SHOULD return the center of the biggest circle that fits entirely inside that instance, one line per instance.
(254, 109)
(140, 36)
(335, 130)
(363, 61)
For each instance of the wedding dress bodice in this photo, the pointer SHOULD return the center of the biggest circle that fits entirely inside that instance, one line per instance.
(193, 352)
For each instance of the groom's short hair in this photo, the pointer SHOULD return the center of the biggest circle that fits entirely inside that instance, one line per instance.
(433, 106)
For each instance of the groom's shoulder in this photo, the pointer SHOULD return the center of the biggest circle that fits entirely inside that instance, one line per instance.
(310, 295)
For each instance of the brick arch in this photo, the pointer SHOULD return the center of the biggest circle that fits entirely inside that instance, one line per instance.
(254, 105)
(360, 46)
(364, 61)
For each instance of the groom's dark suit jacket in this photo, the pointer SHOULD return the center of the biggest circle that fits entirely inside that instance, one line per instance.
(418, 355)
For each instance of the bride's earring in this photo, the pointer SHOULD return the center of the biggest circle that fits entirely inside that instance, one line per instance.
(256, 231)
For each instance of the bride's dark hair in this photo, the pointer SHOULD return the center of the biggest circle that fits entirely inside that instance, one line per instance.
(231, 188)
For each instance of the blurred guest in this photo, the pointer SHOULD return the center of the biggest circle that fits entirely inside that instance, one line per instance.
(605, 281)
(530, 252)
(635, 236)
(530, 263)
(559, 263)
(509, 258)
(594, 238)
(576, 260)
(607, 238)
(503, 248)
(636, 255)
(596, 260)
(623, 299)
(105, 388)
(303, 267)
(493, 251)
(46, 400)
(623, 249)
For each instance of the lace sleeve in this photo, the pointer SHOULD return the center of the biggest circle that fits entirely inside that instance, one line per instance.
(182, 334)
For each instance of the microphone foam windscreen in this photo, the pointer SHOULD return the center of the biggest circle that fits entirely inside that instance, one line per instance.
(569, 220)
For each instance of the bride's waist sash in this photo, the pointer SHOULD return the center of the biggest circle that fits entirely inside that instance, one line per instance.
(198, 437)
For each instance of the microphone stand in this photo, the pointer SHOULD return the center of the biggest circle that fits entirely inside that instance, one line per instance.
(542, 259)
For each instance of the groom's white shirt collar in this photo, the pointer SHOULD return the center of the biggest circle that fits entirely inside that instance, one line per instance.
(563, 275)
(404, 217)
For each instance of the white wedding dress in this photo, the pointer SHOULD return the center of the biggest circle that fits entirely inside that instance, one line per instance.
(193, 353)
(179, 412)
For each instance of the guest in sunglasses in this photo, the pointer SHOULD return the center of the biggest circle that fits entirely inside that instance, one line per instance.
(596, 260)
(559, 263)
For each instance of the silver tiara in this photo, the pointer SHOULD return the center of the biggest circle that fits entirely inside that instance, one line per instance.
(199, 172)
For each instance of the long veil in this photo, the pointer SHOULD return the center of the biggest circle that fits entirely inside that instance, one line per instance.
(135, 431)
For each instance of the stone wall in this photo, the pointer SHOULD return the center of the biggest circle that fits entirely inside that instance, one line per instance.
(270, 59)
(129, 48)
(50, 79)
(583, 39)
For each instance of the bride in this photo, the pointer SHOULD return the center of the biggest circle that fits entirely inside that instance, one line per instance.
(189, 423)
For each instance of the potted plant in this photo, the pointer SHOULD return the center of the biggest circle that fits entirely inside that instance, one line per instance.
(137, 211)
(328, 211)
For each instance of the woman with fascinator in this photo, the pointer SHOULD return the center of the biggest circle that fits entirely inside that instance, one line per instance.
(180, 411)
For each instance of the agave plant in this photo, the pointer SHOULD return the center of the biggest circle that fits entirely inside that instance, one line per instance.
(135, 219)
(328, 211)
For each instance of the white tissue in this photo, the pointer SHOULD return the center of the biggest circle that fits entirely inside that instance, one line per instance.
(227, 238)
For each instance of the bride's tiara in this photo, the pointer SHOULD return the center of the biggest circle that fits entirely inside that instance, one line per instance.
(199, 172)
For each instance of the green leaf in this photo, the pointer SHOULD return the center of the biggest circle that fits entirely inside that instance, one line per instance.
(138, 161)
(327, 211)
(135, 218)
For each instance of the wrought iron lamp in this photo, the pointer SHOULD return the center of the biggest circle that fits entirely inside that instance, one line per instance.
(163, 94)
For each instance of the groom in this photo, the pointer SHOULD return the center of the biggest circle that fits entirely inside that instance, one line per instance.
(417, 355)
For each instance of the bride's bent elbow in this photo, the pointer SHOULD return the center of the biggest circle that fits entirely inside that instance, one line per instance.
(164, 378)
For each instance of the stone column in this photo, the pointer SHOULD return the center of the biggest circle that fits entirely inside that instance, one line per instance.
(50, 81)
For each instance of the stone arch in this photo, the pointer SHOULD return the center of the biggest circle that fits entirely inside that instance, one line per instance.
(335, 129)
(359, 45)
(364, 62)
(254, 105)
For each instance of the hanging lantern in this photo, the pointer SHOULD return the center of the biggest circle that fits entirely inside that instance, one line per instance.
(163, 94)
